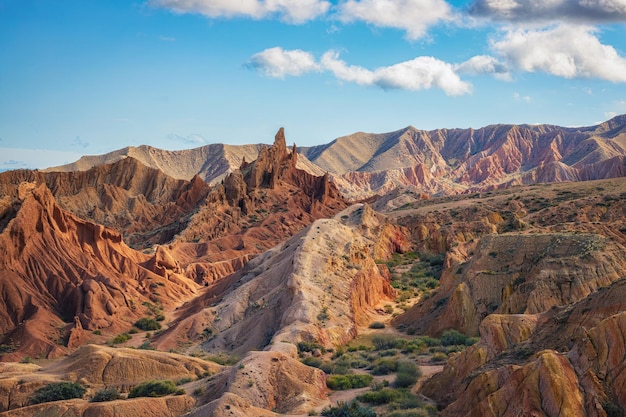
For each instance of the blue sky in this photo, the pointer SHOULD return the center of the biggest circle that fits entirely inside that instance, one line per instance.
(91, 76)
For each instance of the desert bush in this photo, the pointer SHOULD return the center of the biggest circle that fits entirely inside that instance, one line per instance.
(121, 338)
(343, 382)
(147, 323)
(106, 394)
(387, 341)
(377, 325)
(155, 389)
(382, 396)
(312, 361)
(453, 337)
(384, 366)
(310, 347)
(58, 391)
(351, 409)
(438, 357)
(407, 374)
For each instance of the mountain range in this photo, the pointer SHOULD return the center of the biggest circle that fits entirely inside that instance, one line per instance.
(257, 276)
(442, 161)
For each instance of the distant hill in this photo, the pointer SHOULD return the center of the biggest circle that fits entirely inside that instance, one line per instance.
(211, 162)
(448, 161)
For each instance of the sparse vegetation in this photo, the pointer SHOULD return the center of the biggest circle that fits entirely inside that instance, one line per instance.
(146, 323)
(351, 409)
(407, 373)
(58, 391)
(155, 389)
(351, 381)
(106, 394)
(121, 338)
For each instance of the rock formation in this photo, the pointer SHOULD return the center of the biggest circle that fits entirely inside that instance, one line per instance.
(59, 273)
(448, 161)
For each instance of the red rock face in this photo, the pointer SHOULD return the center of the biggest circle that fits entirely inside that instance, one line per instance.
(58, 272)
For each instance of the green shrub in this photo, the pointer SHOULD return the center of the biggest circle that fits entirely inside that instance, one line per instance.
(343, 382)
(352, 409)
(377, 325)
(154, 389)
(121, 338)
(310, 347)
(58, 391)
(453, 337)
(147, 323)
(384, 366)
(387, 341)
(407, 374)
(184, 380)
(382, 396)
(313, 361)
(438, 357)
(106, 394)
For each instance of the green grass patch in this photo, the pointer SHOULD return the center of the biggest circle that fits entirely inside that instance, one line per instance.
(351, 381)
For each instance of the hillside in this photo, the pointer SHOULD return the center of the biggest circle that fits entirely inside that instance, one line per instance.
(448, 161)
(537, 273)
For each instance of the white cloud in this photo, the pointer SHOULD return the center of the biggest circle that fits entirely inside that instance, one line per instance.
(292, 11)
(589, 11)
(421, 73)
(277, 62)
(565, 50)
(484, 64)
(413, 16)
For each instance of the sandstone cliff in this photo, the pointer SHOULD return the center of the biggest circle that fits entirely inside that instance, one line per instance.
(62, 277)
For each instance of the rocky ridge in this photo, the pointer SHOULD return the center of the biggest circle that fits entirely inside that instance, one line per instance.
(449, 161)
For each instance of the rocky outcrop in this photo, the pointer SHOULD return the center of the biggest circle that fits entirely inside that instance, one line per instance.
(266, 381)
(57, 271)
(97, 367)
(256, 207)
(565, 361)
(320, 285)
(519, 274)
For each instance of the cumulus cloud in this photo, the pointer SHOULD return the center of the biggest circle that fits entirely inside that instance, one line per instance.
(565, 50)
(292, 11)
(590, 11)
(277, 62)
(413, 16)
(421, 73)
(484, 64)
